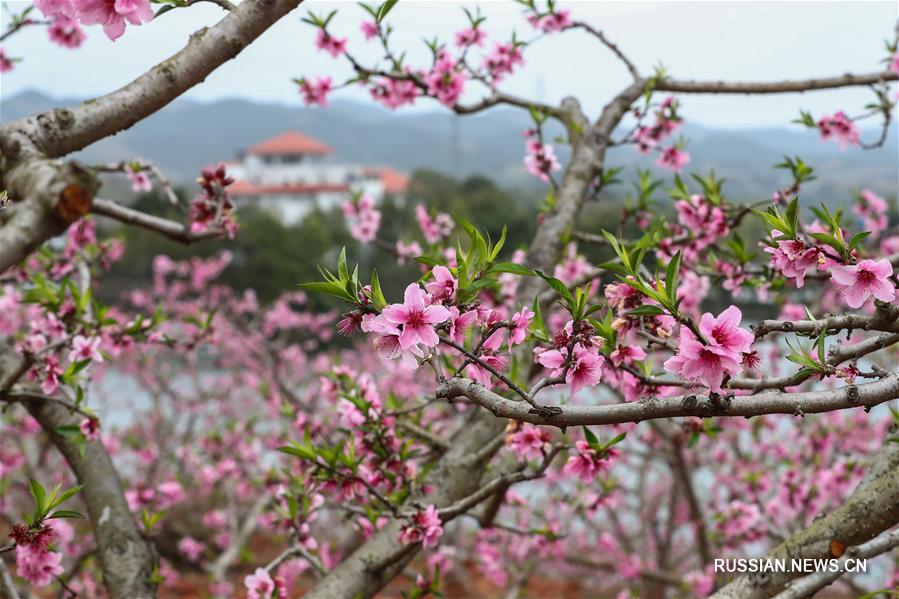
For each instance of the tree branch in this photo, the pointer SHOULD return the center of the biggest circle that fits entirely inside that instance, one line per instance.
(64, 130)
(766, 402)
(774, 87)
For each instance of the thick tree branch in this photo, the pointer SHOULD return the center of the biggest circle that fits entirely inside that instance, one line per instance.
(773, 87)
(766, 402)
(64, 130)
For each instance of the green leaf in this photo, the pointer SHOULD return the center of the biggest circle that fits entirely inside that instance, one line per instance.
(671, 277)
(499, 245)
(857, 239)
(378, 298)
(66, 514)
(559, 287)
(299, 451)
(429, 261)
(64, 496)
(38, 493)
(646, 310)
(591, 438)
(512, 267)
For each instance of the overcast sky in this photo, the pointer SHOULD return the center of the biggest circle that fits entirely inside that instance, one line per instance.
(728, 40)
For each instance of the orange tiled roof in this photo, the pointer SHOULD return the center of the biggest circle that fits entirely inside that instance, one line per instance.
(289, 142)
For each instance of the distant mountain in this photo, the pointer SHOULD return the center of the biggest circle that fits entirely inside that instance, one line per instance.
(188, 134)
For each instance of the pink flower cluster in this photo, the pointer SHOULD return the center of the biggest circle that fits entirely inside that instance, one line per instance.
(38, 566)
(473, 36)
(113, 15)
(445, 81)
(315, 92)
(260, 585)
(588, 463)
(551, 22)
(502, 60)
(540, 159)
(873, 210)
(666, 121)
(333, 46)
(365, 219)
(529, 442)
(5, 63)
(140, 180)
(406, 330)
(424, 527)
(719, 354)
(839, 128)
(583, 367)
(673, 158)
(792, 257)
(66, 32)
(213, 206)
(433, 228)
(394, 93)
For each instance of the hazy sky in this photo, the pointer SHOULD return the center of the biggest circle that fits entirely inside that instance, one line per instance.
(729, 40)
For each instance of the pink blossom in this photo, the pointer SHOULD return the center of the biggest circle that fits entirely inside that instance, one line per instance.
(502, 61)
(529, 442)
(370, 29)
(460, 322)
(521, 324)
(394, 93)
(573, 266)
(52, 376)
(551, 22)
(37, 565)
(316, 93)
(894, 63)
(445, 81)
(113, 14)
(585, 369)
(858, 282)
(473, 36)
(587, 464)
(333, 46)
(259, 584)
(792, 257)
(443, 287)
(84, 348)
(873, 210)
(365, 219)
(416, 317)
(540, 160)
(490, 356)
(54, 8)
(192, 548)
(425, 527)
(433, 228)
(5, 63)
(627, 354)
(840, 128)
(673, 158)
(140, 181)
(66, 32)
(722, 355)
(407, 251)
(90, 428)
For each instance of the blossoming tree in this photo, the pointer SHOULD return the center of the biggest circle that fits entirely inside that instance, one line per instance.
(511, 412)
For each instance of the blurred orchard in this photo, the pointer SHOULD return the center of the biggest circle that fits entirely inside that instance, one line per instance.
(458, 395)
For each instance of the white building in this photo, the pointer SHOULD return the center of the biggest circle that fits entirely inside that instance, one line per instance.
(290, 174)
